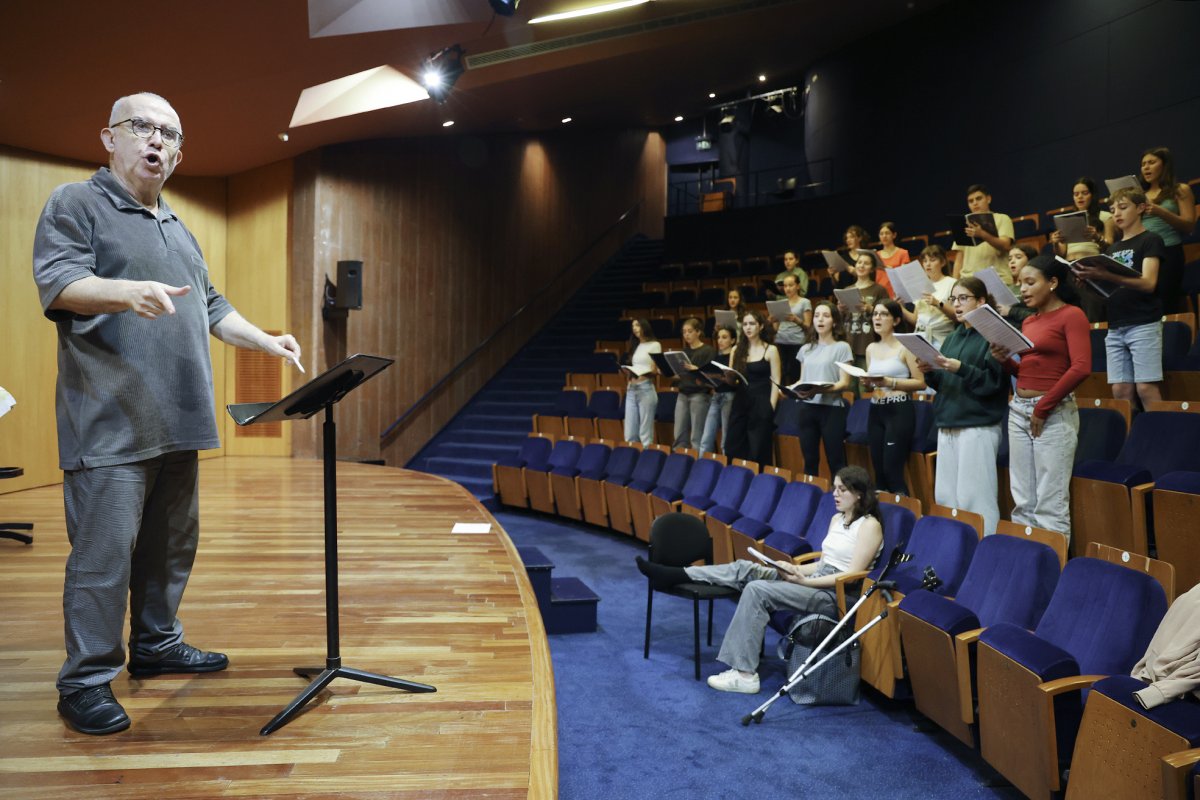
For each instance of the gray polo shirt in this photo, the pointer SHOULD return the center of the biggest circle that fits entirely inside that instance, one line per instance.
(129, 388)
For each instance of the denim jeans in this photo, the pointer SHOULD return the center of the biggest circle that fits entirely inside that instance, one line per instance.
(762, 594)
(691, 413)
(1039, 470)
(641, 401)
(718, 417)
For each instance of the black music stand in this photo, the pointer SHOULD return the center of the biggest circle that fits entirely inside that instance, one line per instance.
(323, 392)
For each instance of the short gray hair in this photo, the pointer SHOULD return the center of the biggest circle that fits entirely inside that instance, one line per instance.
(118, 112)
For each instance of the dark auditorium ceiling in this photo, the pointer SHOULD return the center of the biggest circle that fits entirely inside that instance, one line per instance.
(234, 69)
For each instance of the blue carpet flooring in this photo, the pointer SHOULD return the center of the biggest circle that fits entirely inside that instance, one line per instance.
(634, 728)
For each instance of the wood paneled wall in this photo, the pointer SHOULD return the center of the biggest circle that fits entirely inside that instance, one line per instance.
(28, 368)
(259, 219)
(455, 235)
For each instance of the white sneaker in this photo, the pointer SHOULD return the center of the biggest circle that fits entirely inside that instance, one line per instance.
(733, 681)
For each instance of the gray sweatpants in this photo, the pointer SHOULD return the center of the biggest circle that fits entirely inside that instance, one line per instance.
(133, 530)
(763, 592)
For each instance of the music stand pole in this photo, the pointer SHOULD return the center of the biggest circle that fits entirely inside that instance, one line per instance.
(322, 393)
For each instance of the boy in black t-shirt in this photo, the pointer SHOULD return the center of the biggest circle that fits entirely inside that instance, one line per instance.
(1133, 345)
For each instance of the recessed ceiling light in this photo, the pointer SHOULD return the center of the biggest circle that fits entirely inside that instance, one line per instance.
(584, 12)
(762, 78)
(447, 123)
(711, 95)
(566, 120)
(679, 118)
(283, 137)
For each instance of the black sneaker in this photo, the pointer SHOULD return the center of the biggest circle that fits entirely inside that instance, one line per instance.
(93, 711)
(182, 658)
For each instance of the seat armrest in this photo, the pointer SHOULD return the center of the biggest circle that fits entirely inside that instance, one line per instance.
(963, 643)
(1176, 769)
(1139, 497)
(1072, 683)
(840, 587)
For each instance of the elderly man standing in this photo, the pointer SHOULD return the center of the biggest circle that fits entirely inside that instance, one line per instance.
(128, 289)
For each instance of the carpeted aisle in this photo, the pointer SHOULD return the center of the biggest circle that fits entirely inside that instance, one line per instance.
(631, 728)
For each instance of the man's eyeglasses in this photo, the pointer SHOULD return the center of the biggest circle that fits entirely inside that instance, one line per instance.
(144, 130)
(961, 298)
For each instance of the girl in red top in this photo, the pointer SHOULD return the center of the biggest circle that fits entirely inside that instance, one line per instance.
(1043, 421)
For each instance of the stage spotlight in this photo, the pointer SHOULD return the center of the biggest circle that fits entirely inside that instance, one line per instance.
(727, 120)
(775, 106)
(441, 70)
(505, 8)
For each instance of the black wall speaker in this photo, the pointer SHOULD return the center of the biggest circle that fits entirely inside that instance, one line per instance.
(349, 285)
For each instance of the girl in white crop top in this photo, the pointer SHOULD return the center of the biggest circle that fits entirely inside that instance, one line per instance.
(892, 419)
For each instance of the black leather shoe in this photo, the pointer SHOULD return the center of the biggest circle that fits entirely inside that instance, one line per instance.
(181, 658)
(93, 710)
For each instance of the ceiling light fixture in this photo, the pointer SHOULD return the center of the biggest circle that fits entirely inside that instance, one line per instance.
(585, 12)
(679, 117)
(712, 95)
(505, 8)
(441, 70)
(762, 78)
(565, 120)
(447, 123)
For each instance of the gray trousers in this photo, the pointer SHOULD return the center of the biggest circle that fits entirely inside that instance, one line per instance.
(762, 593)
(133, 530)
(1039, 470)
(691, 411)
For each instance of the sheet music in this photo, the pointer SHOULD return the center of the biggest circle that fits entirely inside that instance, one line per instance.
(727, 370)
(834, 261)
(919, 346)
(857, 372)
(851, 298)
(1073, 227)
(779, 310)
(915, 280)
(725, 318)
(996, 287)
(768, 560)
(1124, 182)
(677, 361)
(996, 329)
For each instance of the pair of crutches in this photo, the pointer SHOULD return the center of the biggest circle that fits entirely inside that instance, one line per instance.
(930, 581)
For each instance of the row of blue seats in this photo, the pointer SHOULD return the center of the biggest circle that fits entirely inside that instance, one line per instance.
(1007, 584)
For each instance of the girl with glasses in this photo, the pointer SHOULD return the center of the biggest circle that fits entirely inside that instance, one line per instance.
(971, 400)
(853, 543)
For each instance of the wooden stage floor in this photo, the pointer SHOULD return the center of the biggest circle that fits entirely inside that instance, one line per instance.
(417, 602)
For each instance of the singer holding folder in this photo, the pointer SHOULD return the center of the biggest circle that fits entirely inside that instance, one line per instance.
(823, 411)
(853, 543)
(691, 407)
(1043, 420)
(128, 289)
(972, 395)
(641, 398)
(752, 415)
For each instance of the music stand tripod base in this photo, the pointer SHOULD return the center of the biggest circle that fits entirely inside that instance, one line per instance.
(326, 676)
(322, 393)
